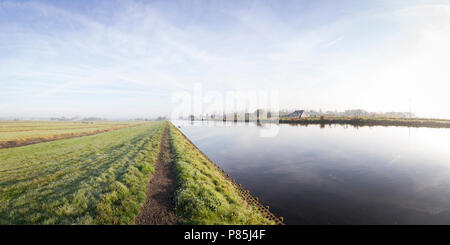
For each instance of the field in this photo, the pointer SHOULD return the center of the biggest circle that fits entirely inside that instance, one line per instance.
(19, 133)
(97, 179)
(103, 178)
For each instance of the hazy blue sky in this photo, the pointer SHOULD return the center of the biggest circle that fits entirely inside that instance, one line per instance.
(126, 58)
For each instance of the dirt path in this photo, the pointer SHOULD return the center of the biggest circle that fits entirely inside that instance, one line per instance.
(159, 206)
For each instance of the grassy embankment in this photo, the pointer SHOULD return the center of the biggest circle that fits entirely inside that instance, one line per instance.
(99, 179)
(368, 121)
(20, 133)
(205, 195)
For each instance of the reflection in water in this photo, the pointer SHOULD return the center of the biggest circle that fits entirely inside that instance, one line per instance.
(338, 174)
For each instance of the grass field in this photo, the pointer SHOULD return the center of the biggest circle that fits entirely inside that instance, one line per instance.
(102, 178)
(99, 179)
(14, 133)
(204, 195)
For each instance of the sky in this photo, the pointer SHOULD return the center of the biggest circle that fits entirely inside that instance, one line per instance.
(120, 59)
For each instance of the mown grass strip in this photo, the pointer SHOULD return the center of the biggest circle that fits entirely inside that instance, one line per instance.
(204, 195)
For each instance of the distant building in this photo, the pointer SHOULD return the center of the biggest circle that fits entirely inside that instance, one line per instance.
(298, 114)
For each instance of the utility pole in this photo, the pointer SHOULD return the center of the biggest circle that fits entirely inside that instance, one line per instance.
(410, 109)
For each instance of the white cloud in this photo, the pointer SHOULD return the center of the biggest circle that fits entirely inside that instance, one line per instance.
(374, 59)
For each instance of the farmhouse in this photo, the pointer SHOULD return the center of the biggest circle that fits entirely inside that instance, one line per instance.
(298, 114)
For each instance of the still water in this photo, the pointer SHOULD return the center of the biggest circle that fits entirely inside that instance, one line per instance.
(336, 174)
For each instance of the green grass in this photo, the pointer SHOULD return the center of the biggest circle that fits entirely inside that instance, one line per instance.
(204, 196)
(102, 179)
(99, 179)
(24, 130)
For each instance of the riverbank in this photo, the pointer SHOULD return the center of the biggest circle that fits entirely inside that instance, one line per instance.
(206, 195)
(360, 122)
(357, 122)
